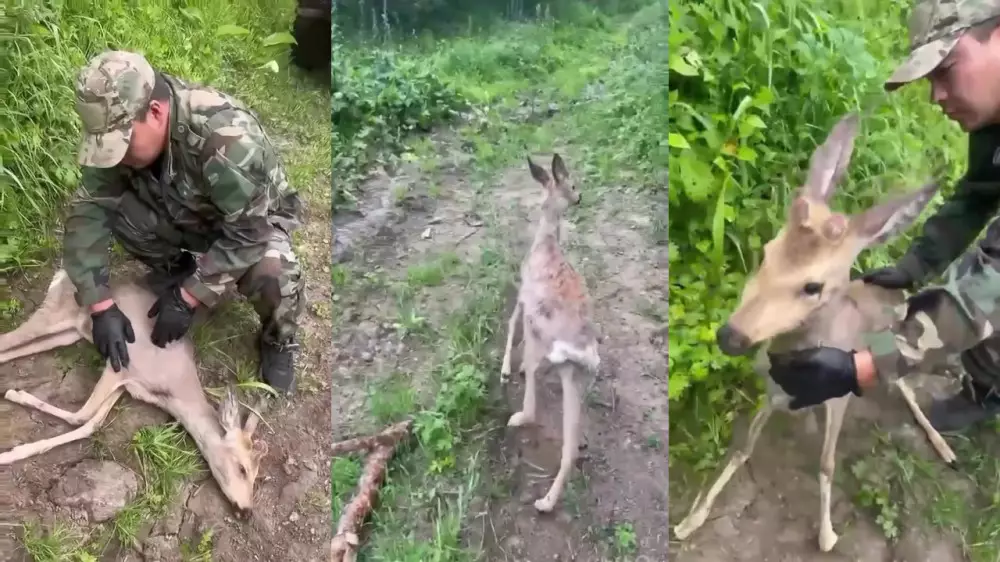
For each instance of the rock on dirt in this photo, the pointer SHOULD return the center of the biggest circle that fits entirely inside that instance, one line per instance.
(99, 488)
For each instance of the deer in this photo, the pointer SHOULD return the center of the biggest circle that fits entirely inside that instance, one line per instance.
(232, 454)
(551, 322)
(802, 295)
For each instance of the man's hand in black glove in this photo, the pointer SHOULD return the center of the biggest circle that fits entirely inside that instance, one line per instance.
(889, 278)
(813, 376)
(111, 330)
(174, 317)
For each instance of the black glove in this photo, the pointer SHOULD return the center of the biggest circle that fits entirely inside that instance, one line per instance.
(111, 330)
(889, 278)
(174, 317)
(813, 376)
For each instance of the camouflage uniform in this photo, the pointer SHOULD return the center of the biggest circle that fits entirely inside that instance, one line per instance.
(218, 191)
(951, 325)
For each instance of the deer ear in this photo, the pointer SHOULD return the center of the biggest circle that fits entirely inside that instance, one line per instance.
(229, 411)
(538, 172)
(559, 168)
(829, 161)
(882, 222)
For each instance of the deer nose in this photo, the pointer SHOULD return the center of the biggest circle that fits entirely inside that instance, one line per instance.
(244, 514)
(731, 341)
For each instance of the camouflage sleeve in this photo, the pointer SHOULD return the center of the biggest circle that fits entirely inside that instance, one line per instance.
(955, 225)
(943, 321)
(87, 236)
(245, 179)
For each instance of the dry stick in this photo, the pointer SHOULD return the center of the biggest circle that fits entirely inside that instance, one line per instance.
(344, 546)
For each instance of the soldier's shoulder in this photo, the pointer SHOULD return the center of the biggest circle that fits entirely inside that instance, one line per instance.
(207, 109)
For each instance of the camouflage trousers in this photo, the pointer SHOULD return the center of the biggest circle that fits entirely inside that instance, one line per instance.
(274, 285)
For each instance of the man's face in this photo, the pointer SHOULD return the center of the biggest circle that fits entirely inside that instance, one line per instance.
(966, 85)
(148, 137)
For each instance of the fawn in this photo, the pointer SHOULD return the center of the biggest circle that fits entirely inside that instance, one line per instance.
(553, 312)
(232, 454)
(801, 296)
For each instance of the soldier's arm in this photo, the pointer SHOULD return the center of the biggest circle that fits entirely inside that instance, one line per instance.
(244, 177)
(960, 219)
(87, 234)
(942, 321)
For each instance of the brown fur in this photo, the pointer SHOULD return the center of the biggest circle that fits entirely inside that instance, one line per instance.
(815, 248)
(553, 312)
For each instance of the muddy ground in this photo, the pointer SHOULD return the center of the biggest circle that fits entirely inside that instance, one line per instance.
(439, 206)
(770, 510)
(75, 486)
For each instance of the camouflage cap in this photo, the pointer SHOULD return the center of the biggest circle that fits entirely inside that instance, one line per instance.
(935, 28)
(110, 90)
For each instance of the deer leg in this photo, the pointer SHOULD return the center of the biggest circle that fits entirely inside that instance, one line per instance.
(530, 362)
(24, 342)
(107, 384)
(27, 450)
(512, 325)
(835, 410)
(703, 503)
(938, 442)
(571, 437)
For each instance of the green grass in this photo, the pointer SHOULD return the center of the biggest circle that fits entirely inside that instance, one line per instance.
(614, 134)
(239, 47)
(899, 488)
(753, 89)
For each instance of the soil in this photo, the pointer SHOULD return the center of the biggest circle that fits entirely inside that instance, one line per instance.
(291, 519)
(769, 511)
(621, 477)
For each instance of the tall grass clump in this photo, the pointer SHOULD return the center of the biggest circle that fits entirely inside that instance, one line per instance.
(239, 45)
(754, 87)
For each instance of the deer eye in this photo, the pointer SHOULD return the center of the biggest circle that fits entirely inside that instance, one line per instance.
(243, 471)
(813, 289)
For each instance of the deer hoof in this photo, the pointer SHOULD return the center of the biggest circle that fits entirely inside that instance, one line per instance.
(519, 419)
(545, 504)
(827, 541)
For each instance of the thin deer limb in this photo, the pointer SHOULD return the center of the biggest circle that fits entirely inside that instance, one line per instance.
(344, 546)
(938, 442)
(835, 410)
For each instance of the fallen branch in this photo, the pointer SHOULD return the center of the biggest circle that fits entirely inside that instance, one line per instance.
(344, 546)
(387, 438)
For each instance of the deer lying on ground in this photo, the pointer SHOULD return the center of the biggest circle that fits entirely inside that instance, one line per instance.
(164, 377)
(553, 314)
(801, 296)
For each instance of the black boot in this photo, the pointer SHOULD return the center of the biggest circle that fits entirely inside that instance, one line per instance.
(976, 402)
(277, 364)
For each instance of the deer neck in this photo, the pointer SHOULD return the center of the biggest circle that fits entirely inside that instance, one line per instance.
(200, 420)
(548, 225)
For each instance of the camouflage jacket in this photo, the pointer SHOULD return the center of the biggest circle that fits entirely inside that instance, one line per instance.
(941, 322)
(221, 191)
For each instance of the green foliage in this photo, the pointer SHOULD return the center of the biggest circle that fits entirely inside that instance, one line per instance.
(754, 88)
(46, 43)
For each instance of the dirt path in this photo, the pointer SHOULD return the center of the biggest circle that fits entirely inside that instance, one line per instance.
(90, 497)
(437, 209)
(888, 486)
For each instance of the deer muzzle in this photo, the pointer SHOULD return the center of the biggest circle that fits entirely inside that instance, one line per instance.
(731, 341)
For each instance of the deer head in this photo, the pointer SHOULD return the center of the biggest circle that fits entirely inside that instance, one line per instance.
(560, 190)
(808, 263)
(235, 460)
